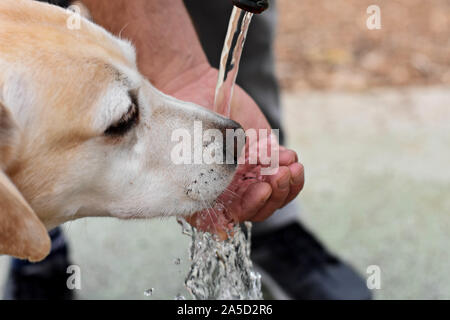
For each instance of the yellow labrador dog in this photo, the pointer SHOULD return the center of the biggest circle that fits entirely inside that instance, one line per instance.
(83, 133)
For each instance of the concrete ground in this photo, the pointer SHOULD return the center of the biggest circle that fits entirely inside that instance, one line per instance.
(377, 193)
(378, 182)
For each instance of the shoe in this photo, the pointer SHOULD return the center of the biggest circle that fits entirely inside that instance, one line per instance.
(294, 265)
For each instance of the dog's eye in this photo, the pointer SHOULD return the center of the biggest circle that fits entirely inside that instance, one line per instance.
(127, 122)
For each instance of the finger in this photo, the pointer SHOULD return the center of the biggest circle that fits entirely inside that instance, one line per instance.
(254, 199)
(297, 181)
(280, 190)
(297, 174)
(287, 157)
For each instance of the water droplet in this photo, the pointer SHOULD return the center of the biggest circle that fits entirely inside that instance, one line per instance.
(149, 292)
(186, 228)
(177, 261)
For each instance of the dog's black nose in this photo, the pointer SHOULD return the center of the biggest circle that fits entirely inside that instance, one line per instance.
(234, 142)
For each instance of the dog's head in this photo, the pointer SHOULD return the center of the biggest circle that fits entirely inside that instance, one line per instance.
(83, 133)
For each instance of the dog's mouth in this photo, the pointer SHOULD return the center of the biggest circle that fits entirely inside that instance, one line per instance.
(216, 217)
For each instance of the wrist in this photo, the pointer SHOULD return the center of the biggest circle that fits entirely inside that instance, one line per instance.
(174, 80)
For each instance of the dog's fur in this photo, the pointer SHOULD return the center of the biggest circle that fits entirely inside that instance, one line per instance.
(60, 90)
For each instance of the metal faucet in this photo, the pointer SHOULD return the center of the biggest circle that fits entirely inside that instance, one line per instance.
(253, 6)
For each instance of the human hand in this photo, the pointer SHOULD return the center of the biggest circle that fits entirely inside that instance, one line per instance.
(247, 198)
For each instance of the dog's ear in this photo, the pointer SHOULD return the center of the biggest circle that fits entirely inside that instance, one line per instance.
(22, 234)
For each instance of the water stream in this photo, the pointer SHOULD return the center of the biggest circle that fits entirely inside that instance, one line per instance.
(223, 269)
(230, 59)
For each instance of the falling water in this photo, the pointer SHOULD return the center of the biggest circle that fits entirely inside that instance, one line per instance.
(223, 269)
(229, 61)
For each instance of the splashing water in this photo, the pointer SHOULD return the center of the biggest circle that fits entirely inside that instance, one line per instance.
(149, 292)
(221, 269)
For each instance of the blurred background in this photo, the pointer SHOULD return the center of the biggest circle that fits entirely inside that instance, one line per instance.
(369, 113)
(326, 45)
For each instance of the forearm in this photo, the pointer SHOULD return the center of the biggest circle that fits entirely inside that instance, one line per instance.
(169, 52)
(162, 31)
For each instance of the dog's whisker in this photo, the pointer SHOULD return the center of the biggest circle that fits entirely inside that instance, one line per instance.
(231, 192)
(209, 214)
